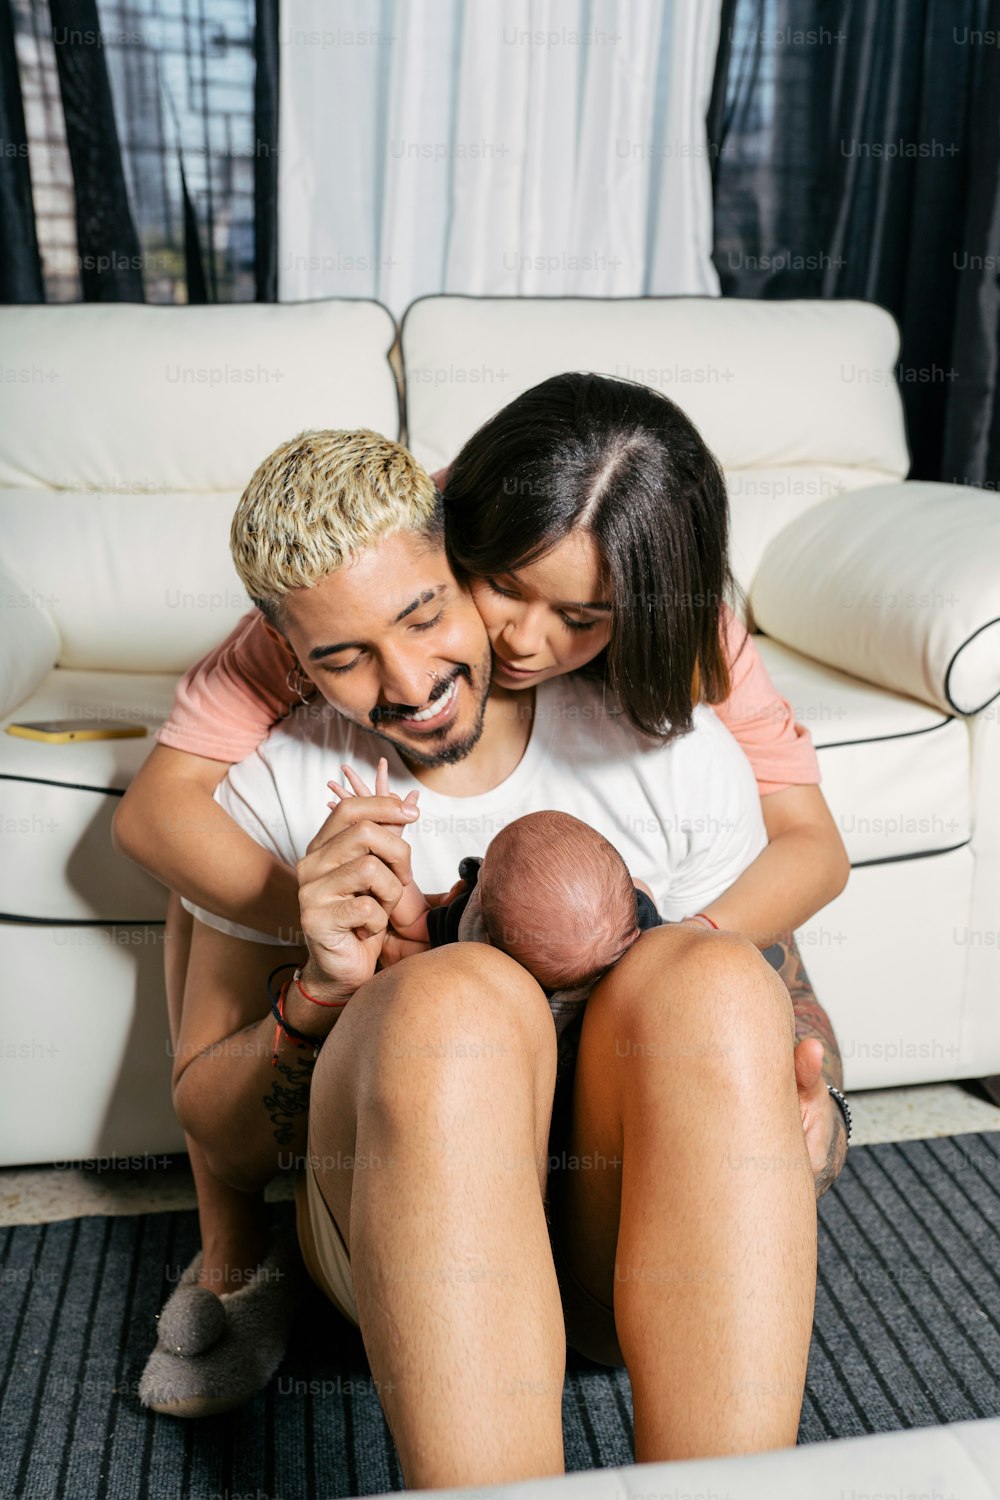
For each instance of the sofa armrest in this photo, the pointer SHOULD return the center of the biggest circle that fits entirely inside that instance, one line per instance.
(898, 585)
(29, 641)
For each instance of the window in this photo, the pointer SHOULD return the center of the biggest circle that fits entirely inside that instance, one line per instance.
(182, 85)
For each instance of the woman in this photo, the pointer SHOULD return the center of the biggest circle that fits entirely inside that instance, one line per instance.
(591, 524)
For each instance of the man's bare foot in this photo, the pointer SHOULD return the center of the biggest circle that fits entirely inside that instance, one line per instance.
(228, 1261)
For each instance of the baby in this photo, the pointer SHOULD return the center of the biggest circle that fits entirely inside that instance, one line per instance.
(550, 891)
(553, 894)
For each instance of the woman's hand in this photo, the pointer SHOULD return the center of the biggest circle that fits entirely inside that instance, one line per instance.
(822, 1121)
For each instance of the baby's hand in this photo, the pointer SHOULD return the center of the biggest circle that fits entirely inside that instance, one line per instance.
(408, 918)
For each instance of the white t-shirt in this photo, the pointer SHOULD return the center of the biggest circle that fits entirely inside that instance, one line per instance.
(685, 817)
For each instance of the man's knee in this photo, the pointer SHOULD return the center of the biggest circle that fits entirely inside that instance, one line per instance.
(698, 996)
(454, 1016)
(467, 988)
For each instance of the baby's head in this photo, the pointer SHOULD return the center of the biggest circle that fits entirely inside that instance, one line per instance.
(557, 897)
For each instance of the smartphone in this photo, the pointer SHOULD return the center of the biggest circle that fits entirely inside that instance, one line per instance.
(59, 731)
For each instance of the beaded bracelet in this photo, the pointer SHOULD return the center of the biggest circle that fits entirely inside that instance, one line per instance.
(843, 1106)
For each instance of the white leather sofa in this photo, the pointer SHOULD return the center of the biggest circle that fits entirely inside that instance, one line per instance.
(958, 1462)
(126, 436)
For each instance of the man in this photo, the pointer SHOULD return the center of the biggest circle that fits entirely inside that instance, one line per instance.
(421, 1096)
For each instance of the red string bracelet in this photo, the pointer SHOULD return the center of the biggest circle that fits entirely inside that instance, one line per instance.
(281, 1029)
(327, 1004)
(701, 916)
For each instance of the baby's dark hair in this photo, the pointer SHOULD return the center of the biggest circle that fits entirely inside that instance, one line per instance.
(557, 897)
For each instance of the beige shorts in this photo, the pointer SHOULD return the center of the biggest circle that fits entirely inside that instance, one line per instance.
(590, 1326)
(322, 1245)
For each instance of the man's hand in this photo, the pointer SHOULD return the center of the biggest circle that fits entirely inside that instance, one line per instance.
(350, 878)
(822, 1121)
(408, 918)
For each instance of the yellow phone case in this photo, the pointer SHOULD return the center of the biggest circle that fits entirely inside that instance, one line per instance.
(63, 736)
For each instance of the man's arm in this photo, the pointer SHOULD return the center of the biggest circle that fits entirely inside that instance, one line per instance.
(246, 1107)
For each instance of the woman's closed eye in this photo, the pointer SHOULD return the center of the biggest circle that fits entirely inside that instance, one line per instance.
(506, 593)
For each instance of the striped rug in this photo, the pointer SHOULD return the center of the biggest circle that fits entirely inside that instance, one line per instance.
(907, 1333)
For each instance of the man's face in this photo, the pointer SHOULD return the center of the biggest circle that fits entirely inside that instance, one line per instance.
(394, 644)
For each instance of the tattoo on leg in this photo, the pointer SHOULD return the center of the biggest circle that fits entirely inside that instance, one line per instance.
(288, 1100)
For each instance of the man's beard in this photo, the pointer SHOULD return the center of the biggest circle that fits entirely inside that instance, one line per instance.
(446, 755)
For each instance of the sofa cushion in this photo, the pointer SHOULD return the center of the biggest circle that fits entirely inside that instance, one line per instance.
(895, 772)
(763, 501)
(803, 391)
(29, 640)
(137, 584)
(133, 399)
(900, 584)
(59, 800)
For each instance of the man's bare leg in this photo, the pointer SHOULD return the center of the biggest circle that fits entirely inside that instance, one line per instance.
(233, 1224)
(704, 1238)
(437, 1081)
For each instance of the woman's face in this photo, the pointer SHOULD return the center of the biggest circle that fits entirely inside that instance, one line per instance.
(550, 617)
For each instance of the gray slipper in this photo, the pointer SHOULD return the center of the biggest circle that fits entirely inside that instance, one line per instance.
(192, 1319)
(211, 1359)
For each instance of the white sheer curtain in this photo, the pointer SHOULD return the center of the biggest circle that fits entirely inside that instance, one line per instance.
(537, 147)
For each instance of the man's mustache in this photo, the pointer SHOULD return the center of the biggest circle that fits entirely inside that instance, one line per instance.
(387, 713)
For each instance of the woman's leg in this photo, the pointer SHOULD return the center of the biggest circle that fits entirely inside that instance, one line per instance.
(696, 1218)
(233, 1224)
(428, 1125)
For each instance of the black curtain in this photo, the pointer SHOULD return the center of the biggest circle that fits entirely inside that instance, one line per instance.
(265, 106)
(110, 256)
(855, 154)
(20, 263)
(116, 262)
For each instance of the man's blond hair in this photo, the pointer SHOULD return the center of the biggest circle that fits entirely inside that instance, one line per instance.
(317, 502)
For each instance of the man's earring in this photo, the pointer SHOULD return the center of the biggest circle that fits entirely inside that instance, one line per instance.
(297, 680)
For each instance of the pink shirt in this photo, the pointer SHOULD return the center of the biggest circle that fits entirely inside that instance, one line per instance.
(227, 703)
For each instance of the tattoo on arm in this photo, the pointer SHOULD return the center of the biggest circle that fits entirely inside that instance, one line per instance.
(812, 1020)
(835, 1157)
(810, 1017)
(288, 1100)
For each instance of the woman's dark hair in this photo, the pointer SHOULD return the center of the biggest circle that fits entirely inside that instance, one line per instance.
(625, 463)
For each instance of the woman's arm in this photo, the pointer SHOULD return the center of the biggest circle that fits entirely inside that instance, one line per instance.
(804, 866)
(169, 824)
(223, 707)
